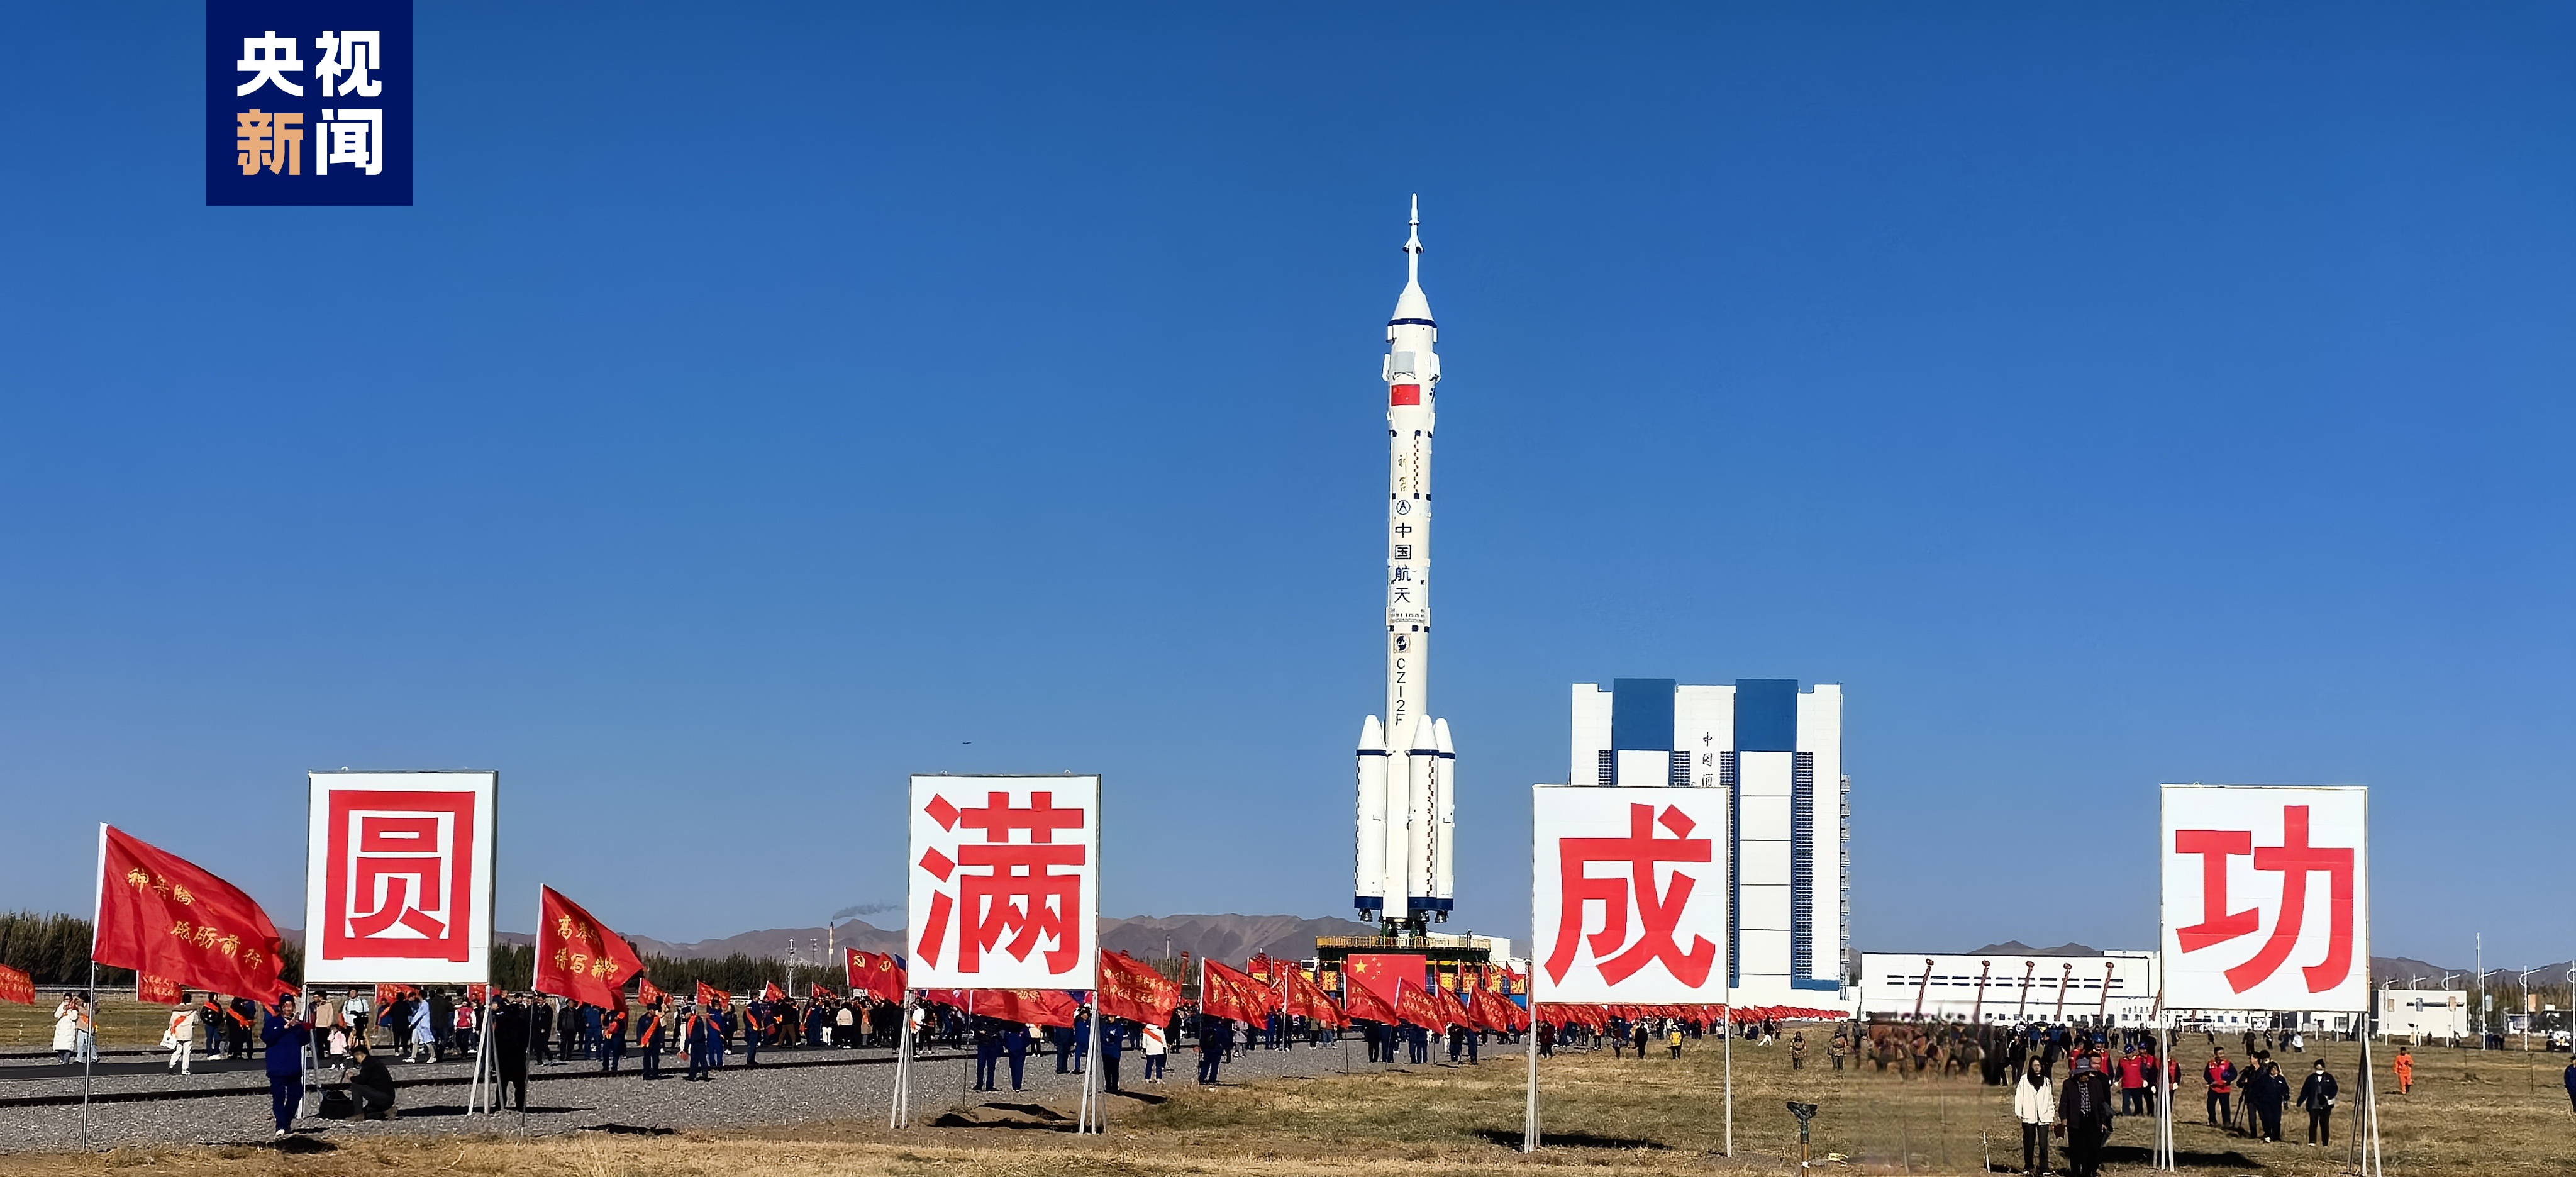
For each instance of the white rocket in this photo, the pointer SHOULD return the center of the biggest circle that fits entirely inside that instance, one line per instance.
(1407, 766)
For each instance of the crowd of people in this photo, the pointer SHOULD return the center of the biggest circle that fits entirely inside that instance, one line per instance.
(361, 1032)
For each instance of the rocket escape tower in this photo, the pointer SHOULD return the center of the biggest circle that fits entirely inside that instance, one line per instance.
(1407, 766)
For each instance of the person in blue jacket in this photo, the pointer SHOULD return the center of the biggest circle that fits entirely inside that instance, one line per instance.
(285, 1040)
(1015, 1043)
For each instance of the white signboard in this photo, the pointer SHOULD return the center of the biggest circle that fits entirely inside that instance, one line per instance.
(1628, 894)
(2266, 897)
(398, 877)
(1004, 886)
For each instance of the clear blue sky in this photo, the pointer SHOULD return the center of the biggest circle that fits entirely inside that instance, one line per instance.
(761, 403)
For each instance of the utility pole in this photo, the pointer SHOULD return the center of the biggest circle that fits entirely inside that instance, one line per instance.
(2479, 939)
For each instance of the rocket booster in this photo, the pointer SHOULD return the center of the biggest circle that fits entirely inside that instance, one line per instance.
(1407, 798)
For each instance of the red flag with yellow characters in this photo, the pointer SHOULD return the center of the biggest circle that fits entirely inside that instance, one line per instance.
(1300, 996)
(1414, 1005)
(1231, 993)
(648, 993)
(1362, 1003)
(710, 997)
(160, 914)
(16, 986)
(577, 956)
(1129, 989)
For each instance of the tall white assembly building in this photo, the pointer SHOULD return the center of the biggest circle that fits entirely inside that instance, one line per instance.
(1407, 765)
(1776, 752)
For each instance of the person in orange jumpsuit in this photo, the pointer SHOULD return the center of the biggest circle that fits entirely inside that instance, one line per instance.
(2404, 1065)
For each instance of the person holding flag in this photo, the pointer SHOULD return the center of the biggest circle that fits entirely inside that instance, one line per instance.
(162, 915)
(699, 1033)
(648, 1039)
(285, 1038)
(612, 1036)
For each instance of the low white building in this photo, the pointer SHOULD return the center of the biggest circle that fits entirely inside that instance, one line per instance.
(2114, 988)
(2423, 1013)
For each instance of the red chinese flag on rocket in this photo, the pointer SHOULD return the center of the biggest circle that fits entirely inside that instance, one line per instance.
(1128, 989)
(577, 956)
(1232, 993)
(160, 914)
(708, 995)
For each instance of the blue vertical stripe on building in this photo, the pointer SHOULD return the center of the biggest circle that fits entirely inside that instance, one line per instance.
(1766, 715)
(1641, 714)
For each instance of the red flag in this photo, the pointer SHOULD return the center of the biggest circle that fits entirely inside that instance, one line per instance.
(771, 992)
(476, 994)
(160, 914)
(876, 974)
(1231, 993)
(1501, 1013)
(1452, 1011)
(1035, 1007)
(1414, 1005)
(150, 989)
(707, 995)
(1380, 972)
(1303, 997)
(1359, 1002)
(648, 993)
(821, 993)
(1130, 990)
(579, 958)
(16, 986)
(387, 995)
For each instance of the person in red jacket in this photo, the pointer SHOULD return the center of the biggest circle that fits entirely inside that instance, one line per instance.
(2133, 1082)
(2220, 1074)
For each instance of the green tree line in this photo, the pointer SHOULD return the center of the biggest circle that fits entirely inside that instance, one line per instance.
(53, 949)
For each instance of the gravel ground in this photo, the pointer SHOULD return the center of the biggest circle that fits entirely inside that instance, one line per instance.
(738, 1097)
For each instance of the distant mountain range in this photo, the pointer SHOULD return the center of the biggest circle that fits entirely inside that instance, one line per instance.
(1236, 937)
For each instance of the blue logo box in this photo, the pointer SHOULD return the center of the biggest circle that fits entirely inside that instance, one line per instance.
(308, 102)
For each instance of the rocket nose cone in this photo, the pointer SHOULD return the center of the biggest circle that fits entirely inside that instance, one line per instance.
(1412, 304)
(1372, 735)
(1425, 739)
(1440, 737)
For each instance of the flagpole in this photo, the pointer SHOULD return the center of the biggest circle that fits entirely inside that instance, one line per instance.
(97, 904)
(1728, 1009)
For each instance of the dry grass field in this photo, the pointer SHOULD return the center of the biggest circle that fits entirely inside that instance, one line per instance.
(122, 1022)
(2486, 1114)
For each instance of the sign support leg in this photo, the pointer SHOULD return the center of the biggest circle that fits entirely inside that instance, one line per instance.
(899, 1115)
(1529, 1113)
(1729, 1011)
(1087, 1121)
